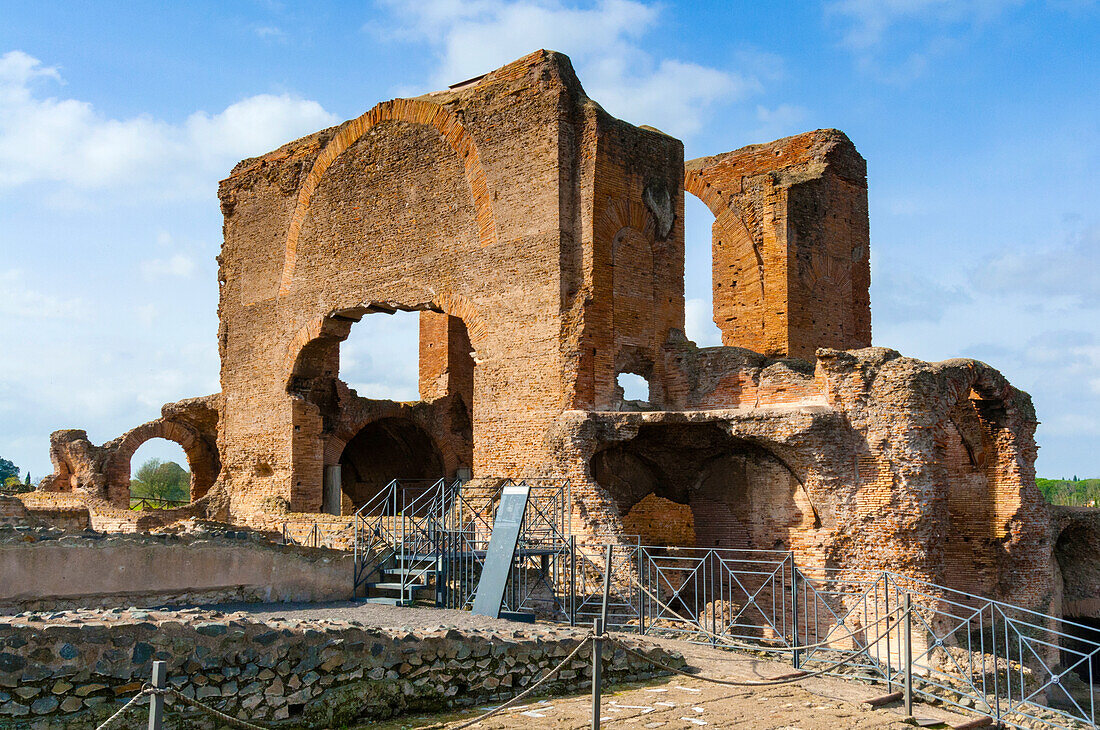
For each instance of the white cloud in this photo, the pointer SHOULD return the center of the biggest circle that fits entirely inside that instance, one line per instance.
(870, 21)
(380, 358)
(1059, 276)
(699, 322)
(66, 141)
(604, 41)
(176, 265)
(1071, 424)
(270, 32)
(781, 121)
(895, 41)
(19, 300)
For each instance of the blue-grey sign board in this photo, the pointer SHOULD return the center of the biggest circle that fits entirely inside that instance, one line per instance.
(502, 551)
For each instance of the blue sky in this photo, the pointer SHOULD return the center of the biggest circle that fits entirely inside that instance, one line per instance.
(980, 121)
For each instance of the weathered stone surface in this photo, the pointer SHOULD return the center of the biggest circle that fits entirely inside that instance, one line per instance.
(542, 242)
(200, 564)
(314, 698)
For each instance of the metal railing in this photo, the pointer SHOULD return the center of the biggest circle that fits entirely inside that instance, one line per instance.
(1011, 664)
(317, 534)
(401, 525)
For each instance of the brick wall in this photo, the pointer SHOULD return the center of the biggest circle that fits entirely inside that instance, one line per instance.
(790, 256)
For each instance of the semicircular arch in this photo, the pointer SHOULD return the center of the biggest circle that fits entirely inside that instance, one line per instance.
(337, 325)
(414, 111)
(202, 459)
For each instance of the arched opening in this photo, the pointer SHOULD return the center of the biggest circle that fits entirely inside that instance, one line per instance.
(188, 466)
(417, 353)
(379, 358)
(699, 275)
(387, 449)
(417, 364)
(737, 493)
(1076, 552)
(632, 392)
(160, 475)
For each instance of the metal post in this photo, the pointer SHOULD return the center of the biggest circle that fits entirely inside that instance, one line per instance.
(156, 701)
(606, 587)
(641, 593)
(795, 660)
(597, 671)
(889, 628)
(572, 580)
(908, 632)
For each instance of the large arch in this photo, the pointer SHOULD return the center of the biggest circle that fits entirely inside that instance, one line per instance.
(740, 494)
(737, 265)
(383, 450)
(202, 458)
(414, 111)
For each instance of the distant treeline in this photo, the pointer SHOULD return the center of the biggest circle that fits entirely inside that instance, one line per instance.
(1077, 492)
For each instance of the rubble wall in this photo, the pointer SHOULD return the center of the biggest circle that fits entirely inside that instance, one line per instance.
(71, 671)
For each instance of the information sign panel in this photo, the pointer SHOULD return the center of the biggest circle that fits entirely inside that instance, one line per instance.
(502, 550)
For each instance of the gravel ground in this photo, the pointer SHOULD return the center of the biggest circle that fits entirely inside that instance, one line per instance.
(679, 702)
(380, 615)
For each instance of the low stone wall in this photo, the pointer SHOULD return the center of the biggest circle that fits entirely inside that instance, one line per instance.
(69, 671)
(49, 569)
(12, 511)
(65, 511)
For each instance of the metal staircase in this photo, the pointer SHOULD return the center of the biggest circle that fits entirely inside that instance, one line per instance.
(425, 542)
(398, 537)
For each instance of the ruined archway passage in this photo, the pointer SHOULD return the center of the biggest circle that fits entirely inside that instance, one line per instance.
(693, 485)
(202, 458)
(1075, 553)
(384, 450)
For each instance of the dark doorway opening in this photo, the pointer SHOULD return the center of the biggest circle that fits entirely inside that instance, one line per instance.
(1084, 641)
(1075, 553)
(383, 450)
(694, 485)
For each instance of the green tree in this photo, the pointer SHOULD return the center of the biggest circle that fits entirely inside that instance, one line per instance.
(158, 479)
(1074, 492)
(7, 471)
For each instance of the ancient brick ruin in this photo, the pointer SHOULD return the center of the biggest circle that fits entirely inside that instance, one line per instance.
(542, 242)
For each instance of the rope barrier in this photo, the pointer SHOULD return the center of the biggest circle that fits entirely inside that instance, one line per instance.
(228, 719)
(110, 721)
(147, 691)
(748, 682)
(518, 697)
(749, 647)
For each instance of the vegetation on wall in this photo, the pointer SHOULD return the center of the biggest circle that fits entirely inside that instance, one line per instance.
(1076, 492)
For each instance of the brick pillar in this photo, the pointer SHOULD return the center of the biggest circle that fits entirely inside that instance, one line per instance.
(445, 362)
(790, 244)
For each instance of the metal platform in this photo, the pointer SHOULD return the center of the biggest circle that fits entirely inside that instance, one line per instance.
(415, 536)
